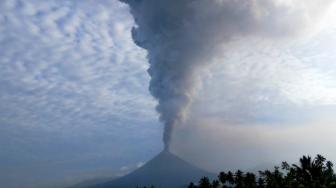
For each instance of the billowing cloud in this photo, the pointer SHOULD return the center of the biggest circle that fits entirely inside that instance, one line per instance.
(266, 103)
(183, 37)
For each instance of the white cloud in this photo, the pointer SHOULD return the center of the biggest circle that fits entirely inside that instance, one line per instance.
(74, 54)
(247, 84)
(73, 85)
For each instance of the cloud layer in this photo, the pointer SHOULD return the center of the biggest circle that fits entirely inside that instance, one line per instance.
(73, 89)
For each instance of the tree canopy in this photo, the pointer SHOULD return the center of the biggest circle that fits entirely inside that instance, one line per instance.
(308, 173)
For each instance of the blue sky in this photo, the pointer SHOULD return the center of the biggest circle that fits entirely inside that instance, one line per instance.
(73, 95)
(74, 99)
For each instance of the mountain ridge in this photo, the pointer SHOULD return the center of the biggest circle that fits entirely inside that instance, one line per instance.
(166, 170)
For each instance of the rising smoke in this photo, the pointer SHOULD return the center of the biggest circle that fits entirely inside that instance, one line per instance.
(182, 37)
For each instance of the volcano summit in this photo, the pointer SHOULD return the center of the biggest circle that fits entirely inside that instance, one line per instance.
(166, 170)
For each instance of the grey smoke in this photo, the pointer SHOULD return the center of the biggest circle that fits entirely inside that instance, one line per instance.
(182, 37)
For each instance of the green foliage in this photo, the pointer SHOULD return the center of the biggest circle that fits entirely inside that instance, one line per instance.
(309, 173)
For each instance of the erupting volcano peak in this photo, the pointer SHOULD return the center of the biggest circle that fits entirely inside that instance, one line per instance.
(166, 170)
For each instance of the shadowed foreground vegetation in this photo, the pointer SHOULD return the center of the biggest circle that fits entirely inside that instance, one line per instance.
(310, 173)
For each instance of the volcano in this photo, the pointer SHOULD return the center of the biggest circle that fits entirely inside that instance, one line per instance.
(166, 170)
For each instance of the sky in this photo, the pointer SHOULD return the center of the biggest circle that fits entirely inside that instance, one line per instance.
(75, 104)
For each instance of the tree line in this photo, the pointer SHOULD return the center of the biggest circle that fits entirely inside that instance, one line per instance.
(309, 173)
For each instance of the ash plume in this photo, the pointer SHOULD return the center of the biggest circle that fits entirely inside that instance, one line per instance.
(182, 36)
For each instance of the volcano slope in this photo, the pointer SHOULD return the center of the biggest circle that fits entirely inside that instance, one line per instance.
(166, 170)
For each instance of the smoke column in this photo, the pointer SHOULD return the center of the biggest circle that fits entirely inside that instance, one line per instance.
(182, 36)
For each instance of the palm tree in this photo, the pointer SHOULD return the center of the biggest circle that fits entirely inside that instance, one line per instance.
(192, 185)
(329, 171)
(273, 179)
(215, 184)
(261, 183)
(204, 183)
(230, 178)
(309, 173)
(303, 171)
(250, 180)
(239, 179)
(223, 177)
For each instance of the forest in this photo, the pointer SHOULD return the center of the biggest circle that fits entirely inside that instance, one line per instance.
(308, 173)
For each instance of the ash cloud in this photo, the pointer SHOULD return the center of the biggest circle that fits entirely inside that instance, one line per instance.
(183, 36)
